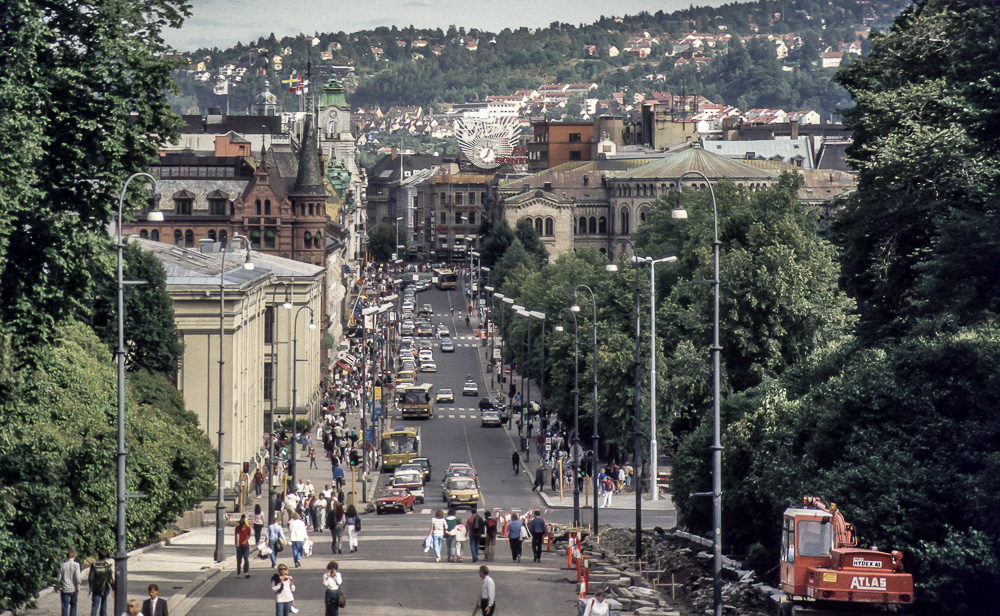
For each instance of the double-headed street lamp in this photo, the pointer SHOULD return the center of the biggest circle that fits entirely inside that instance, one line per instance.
(295, 385)
(121, 555)
(220, 503)
(576, 308)
(576, 412)
(637, 429)
(680, 214)
(287, 305)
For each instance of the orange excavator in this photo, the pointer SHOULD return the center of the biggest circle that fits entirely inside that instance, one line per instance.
(824, 572)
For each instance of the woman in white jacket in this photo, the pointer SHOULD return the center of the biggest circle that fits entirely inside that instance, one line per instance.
(297, 534)
(331, 582)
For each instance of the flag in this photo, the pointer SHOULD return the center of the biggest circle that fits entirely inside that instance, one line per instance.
(292, 81)
(222, 87)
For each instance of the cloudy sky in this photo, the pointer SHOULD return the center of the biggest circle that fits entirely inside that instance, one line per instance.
(221, 23)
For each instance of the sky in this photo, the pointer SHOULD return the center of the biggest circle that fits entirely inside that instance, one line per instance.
(223, 23)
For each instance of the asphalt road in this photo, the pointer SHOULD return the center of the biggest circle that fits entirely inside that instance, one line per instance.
(391, 574)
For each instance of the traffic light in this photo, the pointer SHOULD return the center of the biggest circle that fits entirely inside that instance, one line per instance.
(246, 468)
(353, 457)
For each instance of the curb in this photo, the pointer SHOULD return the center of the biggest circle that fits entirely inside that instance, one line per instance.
(209, 577)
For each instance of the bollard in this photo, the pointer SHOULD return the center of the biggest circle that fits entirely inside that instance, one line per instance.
(548, 537)
(569, 553)
(579, 567)
(506, 518)
(586, 576)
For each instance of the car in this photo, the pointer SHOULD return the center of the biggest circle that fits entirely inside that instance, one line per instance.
(428, 309)
(394, 499)
(445, 395)
(425, 330)
(407, 328)
(491, 418)
(405, 376)
(459, 469)
(411, 467)
(406, 341)
(447, 346)
(428, 366)
(490, 404)
(459, 491)
(410, 480)
(470, 389)
(424, 343)
(443, 331)
(424, 462)
(425, 355)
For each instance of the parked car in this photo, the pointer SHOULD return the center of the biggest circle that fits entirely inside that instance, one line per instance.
(491, 419)
(394, 499)
(445, 395)
(447, 346)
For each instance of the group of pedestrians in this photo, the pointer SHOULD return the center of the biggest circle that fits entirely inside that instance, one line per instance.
(101, 582)
(449, 534)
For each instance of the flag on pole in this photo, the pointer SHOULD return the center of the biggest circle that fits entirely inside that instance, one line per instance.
(222, 87)
(292, 81)
(303, 86)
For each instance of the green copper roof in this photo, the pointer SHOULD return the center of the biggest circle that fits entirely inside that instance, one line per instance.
(333, 95)
(696, 159)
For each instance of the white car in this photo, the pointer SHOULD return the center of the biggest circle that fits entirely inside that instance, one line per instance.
(426, 355)
(445, 395)
(443, 331)
(428, 366)
(470, 389)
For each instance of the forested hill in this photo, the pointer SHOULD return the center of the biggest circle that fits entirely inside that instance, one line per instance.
(738, 63)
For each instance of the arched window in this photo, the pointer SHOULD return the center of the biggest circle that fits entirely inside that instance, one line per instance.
(625, 228)
(549, 223)
(603, 251)
(643, 212)
(223, 239)
(602, 225)
(211, 234)
(189, 238)
(178, 237)
(144, 234)
(318, 240)
(593, 224)
(308, 240)
(267, 207)
(269, 236)
(154, 235)
(256, 207)
(255, 239)
(538, 226)
(582, 225)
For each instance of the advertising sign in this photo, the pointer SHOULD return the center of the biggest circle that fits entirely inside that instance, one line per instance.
(491, 143)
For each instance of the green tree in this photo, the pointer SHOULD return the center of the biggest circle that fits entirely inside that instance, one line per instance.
(525, 232)
(497, 238)
(74, 125)
(382, 241)
(152, 341)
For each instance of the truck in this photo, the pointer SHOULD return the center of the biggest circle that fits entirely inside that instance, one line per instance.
(824, 572)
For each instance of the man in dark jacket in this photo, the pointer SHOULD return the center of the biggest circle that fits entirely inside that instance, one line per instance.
(539, 477)
(515, 460)
(537, 529)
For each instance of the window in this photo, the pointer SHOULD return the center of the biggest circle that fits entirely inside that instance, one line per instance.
(255, 239)
(268, 378)
(458, 198)
(549, 223)
(308, 238)
(256, 207)
(189, 239)
(593, 225)
(268, 327)
(154, 235)
(472, 198)
(444, 217)
(642, 214)
(581, 226)
(217, 207)
(576, 156)
(318, 240)
(267, 207)
(269, 236)
(813, 538)
(211, 235)
(538, 226)
(144, 234)
(625, 228)
(575, 137)
(482, 198)
(472, 218)
(183, 206)
(602, 225)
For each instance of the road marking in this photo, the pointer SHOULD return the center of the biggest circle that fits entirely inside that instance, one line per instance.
(425, 511)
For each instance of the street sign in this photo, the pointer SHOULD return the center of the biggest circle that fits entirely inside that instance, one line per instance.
(496, 353)
(576, 452)
(377, 393)
(367, 446)
(368, 435)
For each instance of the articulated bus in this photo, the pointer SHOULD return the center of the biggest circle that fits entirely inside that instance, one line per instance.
(399, 445)
(415, 400)
(445, 278)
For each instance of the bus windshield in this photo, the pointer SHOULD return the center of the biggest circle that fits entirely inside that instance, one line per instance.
(415, 396)
(398, 444)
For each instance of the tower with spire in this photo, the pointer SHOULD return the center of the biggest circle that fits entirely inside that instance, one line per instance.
(308, 200)
(265, 103)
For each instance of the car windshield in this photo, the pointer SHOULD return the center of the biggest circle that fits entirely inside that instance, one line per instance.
(406, 479)
(395, 493)
(814, 538)
(462, 484)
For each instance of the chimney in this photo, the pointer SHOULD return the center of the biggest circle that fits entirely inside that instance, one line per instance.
(394, 154)
(795, 129)
(206, 245)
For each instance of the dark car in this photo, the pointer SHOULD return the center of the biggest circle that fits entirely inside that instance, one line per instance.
(426, 464)
(491, 404)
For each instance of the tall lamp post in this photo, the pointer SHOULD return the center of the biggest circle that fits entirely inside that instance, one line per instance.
(508, 301)
(680, 213)
(576, 412)
(655, 492)
(287, 305)
(295, 385)
(637, 429)
(535, 314)
(576, 308)
(121, 555)
(220, 503)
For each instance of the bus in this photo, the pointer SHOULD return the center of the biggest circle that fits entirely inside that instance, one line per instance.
(415, 400)
(445, 278)
(399, 444)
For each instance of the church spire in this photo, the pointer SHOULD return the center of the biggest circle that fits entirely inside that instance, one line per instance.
(309, 181)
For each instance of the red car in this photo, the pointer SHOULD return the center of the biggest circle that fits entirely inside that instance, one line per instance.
(395, 499)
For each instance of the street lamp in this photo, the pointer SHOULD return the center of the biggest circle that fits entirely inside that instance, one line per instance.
(652, 367)
(576, 412)
(535, 314)
(365, 391)
(680, 214)
(287, 305)
(121, 555)
(637, 430)
(576, 308)
(220, 504)
(398, 219)
(503, 350)
(295, 385)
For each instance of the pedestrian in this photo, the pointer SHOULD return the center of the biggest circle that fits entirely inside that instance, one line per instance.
(320, 507)
(154, 606)
(297, 535)
(487, 593)
(537, 529)
(476, 527)
(331, 582)
(335, 522)
(291, 504)
(540, 444)
(609, 492)
(312, 458)
(554, 475)
(131, 608)
(437, 531)
(539, 477)
(338, 474)
(515, 528)
(451, 521)
(258, 482)
(258, 523)
(275, 540)
(598, 606)
(515, 460)
(282, 585)
(352, 521)
(101, 579)
(69, 584)
(243, 545)
(489, 552)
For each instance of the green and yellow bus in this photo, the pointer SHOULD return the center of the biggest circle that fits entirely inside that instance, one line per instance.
(445, 278)
(399, 445)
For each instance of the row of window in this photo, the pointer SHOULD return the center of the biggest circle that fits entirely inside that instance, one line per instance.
(459, 198)
(470, 218)
(649, 190)
(269, 236)
(186, 171)
(544, 227)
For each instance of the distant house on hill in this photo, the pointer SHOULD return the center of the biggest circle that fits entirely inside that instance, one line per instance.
(831, 59)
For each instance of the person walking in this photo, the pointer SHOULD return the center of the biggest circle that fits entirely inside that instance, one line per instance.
(489, 552)
(476, 527)
(598, 606)
(258, 523)
(283, 587)
(515, 460)
(537, 529)
(154, 606)
(297, 534)
(451, 521)
(312, 458)
(487, 593)
(335, 522)
(69, 584)
(515, 528)
(275, 539)
(258, 482)
(609, 492)
(539, 477)
(242, 533)
(131, 608)
(331, 582)
(461, 534)
(101, 579)
(437, 531)
(352, 521)
(320, 508)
